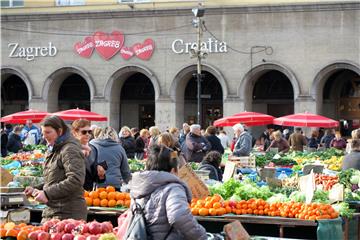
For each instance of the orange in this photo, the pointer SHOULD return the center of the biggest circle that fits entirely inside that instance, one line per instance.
(195, 211)
(22, 225)
(127, 203)
(112, 203)
(217, 197)
(22, 235)
(220, 211)
(212, 211)
(217, 205)
(203, 212)
(9, 225)
(101, 189)
(208, 204)
(120, 203)
(11, 233)
(104, 203)
(120, 196)
(110, 189)
(3, 233)
(96, 202)
(111, 196)
(94, 194)
(103, 195)
(89, 201)
(200, 203)
(228, 209)
(86, 193)
(127, 196)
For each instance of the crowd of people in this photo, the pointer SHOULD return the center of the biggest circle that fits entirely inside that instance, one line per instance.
(85, 156)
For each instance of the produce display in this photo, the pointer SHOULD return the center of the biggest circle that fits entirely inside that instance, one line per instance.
(107, 197)
(351, 180)
(326, 181)
(136, 165)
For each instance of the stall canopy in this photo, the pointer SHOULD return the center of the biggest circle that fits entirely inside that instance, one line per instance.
(247, 118)
(20, 117)
(306, 120)
(74, 114)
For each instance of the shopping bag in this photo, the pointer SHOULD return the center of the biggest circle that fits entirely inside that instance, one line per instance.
(123, 224)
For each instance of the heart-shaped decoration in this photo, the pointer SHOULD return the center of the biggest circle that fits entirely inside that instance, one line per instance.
(85, 48)
(127, 52)
(107, 45)
(144, 50)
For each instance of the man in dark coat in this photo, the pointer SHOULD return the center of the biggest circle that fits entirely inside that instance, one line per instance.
(195, 146)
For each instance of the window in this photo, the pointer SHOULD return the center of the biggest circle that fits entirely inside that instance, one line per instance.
(12, 3)
(70, 2)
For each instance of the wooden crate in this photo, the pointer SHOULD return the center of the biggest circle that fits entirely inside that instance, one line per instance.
(245, 162)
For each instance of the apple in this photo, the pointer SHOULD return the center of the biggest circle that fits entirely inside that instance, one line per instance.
(92, 237)
(47, 225)
(79, 237)
(43, 236)
(60, 226)
(106, 227)
(67, 236)
(33, 235)
(82, 228)
(56, 236)
(69, 227)
(94, 228)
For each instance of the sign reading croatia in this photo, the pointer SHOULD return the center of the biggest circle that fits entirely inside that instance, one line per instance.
(107, 45)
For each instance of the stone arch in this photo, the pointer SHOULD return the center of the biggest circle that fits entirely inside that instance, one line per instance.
(114, 84)
(53, 82)
(246, 87)
(323, 75)
(7, 71)
(178, 85)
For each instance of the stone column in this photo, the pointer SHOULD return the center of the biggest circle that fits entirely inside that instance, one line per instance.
(305, 103)
(38, 103)
(165, 113)
(232, 105)
(101, 106)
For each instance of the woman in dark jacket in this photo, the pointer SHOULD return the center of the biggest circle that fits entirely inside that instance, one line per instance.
(211, 163)
(312, 143)
(95, 172)
(14, 142)
(165, 198)
(127, 142)
(64, 174)
(214, 140)
(142, 144)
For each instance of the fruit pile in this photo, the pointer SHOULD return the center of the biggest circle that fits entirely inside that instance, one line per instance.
(71, 229)
(107, 197)
(20, 231)
(209, 206)
(216, 206)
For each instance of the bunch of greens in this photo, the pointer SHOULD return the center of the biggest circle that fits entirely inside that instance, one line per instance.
(194, 165)
(249, 189)
(297, 196)
(352, 196)
(321, 196)
(135, 165)
(4, 161)
(226, 190)
(344, 209)
(32, 147)
(345, 177)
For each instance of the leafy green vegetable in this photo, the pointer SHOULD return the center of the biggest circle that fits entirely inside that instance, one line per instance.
(345, 177)
(321, 196)
(297, 196)
(249, 189)
(227, 189)
(344, 209)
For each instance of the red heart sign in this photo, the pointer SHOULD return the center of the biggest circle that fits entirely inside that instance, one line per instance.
(86, 48)
(127, 52)
(144, 50)
(108, 45)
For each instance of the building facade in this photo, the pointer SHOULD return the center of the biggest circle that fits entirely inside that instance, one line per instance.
(133, 63)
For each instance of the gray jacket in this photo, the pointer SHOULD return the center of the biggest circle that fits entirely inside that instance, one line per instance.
(114, 154)
(351, 160)
(167, 204)
(243, 145)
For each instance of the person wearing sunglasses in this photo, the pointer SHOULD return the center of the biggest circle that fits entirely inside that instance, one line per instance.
(95, 171)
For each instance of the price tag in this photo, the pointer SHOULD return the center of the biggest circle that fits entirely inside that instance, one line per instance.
(229, 170)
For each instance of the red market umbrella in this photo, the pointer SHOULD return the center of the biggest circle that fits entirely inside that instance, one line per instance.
(306, 120)
(20, 117)
(74, 114)
(247, 118)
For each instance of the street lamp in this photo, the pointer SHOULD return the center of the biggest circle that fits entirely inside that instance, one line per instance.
(199, 53)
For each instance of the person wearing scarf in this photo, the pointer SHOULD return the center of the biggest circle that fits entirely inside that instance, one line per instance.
(64, 174)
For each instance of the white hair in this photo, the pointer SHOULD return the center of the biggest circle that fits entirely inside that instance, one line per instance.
(194, 127)
(238, 126)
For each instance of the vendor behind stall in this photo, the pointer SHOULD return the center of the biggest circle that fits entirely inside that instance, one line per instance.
(352, 160)
(64, 174)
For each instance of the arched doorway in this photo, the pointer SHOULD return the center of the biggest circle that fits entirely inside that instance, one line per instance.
(211, 99)
(137, 102)
(273, 94)
(74, 93)
(14, 94)
(341, 99)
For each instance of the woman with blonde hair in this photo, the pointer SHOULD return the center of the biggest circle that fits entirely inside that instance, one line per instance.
(154, 134)
(110, 151)
(127, 141)
(168, 140)
(142, 143)
(279, 142)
